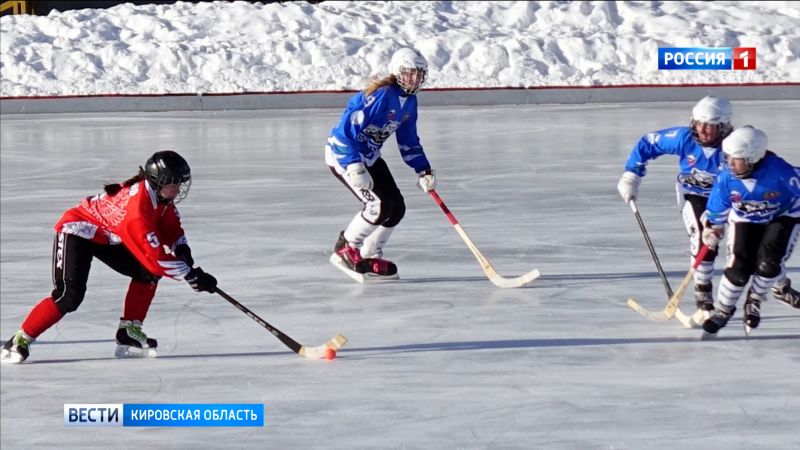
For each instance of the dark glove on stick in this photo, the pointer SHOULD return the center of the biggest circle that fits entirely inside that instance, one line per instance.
(201, 281)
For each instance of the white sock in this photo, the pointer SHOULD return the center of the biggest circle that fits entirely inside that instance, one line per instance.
(728, 293)
(373, 244)
(704, 272)
(760, 285)
(357, 230)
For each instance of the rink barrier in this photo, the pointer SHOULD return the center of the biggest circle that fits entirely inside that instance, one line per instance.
(429, 97)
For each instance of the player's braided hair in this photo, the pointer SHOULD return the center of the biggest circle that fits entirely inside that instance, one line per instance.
(113, 188)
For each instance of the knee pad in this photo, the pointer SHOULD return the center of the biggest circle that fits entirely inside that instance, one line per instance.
(395, 213)
(768, 269)
(68, 298)
(737, 275)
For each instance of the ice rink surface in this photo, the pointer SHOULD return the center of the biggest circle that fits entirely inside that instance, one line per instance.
(439, 359)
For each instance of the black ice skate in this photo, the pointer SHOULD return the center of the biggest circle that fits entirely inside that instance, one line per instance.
(132, 342)
(752, 312)
(16, 349)
(717, 320)
(786, 295)
(703, 298)
(348, 259)
(376, 269)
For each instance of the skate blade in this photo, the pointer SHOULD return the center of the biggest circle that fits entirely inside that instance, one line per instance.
(127, 351)
(371, 278)
(9, 357)
(708, 336)
(337, 262)
(783, 302)
(363, 278)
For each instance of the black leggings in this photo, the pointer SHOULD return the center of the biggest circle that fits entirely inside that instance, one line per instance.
(384, 204)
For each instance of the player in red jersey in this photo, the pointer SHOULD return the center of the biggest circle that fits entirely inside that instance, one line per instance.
(134, 228)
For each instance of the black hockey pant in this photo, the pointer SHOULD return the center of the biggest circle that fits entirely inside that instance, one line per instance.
(760, 248)
(72, 260)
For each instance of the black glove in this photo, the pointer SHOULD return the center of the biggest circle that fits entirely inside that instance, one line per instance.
(184, 253)
(201, 281)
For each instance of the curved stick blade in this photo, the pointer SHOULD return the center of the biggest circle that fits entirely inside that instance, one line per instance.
(510, 283)
(318, 352)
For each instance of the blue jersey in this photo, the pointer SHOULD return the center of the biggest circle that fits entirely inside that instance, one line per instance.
(699, 165)
(772, 190)
(367, 123)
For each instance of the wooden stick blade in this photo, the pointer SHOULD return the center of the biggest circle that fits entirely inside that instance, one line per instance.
(654, 316)
(319, 351)
(693, 321)
(510, 283)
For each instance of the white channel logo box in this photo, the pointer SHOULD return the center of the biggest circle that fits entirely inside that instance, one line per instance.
(93, 415)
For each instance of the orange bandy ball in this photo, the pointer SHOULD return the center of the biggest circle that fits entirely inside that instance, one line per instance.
(330, 354)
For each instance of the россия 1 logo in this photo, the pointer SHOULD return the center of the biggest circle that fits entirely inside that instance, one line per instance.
(702, 58)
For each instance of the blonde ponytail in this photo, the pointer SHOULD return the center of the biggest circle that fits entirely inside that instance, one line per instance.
(378, 83)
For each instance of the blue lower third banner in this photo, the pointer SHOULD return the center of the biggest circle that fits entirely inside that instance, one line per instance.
(163, 415)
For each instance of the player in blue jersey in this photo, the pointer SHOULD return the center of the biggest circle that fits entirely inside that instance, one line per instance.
(758, 196)
(353, 153)
(698, 148)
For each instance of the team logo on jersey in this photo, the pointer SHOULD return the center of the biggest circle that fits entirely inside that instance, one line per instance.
(152, 239)
(771, 195)
(755, 208)
(406, 116)
(735, 197)
(390, 115)
(108, 210)
(379, 135)
(691, 160)
(697, 178)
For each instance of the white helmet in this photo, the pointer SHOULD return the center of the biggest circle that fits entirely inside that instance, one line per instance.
(410, 68)
(714, 111)
(747, 143)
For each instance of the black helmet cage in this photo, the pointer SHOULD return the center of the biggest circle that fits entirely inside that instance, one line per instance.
(165, 168)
